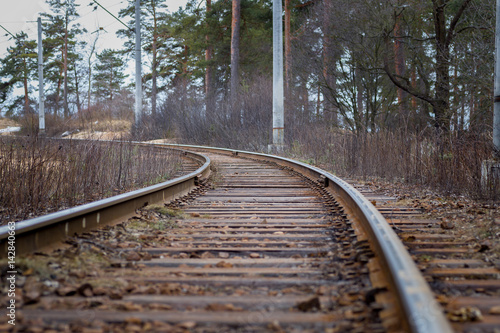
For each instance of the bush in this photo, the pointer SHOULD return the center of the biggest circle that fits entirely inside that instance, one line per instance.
(43, 175)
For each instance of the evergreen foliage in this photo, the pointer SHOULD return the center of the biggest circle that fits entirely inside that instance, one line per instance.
(357, 65)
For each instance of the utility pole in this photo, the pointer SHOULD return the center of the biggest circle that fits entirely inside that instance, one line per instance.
(278, 98)
(138, 65)
(490, 169)
(41, 97)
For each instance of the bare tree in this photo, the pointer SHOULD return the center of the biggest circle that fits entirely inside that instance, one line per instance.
(445, 23)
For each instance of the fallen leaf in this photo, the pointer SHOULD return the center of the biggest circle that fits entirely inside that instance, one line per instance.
(66, 291)
(115, 294)
(133, 256)
(222, 307)
(410, 239)
(85, 290)
(207, 255)
(160, 307)
(309, 305)
(446, 224)
(223, 255)
(129, 306)
(31, 297)
(466, 314)
(495, 310)
(99, 291)
(187, 325)
(223, 264)
(146, 256)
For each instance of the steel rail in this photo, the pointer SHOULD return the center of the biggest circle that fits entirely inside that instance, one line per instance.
(422, 313)
(33, 234)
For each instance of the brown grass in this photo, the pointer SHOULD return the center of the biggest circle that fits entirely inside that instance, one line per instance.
(453, 167)
(5, 122)
(44, 175)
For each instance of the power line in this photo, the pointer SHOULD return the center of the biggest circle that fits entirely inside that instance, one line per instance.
(116, 18)
(10, 33)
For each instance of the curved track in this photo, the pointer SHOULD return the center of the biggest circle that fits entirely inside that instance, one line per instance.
(459, 271)
(275, 244)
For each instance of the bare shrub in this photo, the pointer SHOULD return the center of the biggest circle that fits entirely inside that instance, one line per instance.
(409, 156)
(395, 156)
(43, 175)
(247, 126)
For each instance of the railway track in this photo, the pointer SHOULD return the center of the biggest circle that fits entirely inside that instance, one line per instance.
(459, 270)
(264, 246)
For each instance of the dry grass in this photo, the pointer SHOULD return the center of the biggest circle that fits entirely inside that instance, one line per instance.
(5, 122)
(44, 175)
(450, 168)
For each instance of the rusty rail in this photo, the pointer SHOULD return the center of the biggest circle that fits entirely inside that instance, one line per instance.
(415, 298)
(421, 311)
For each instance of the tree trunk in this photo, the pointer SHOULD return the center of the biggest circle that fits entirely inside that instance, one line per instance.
(65, 69)
(305, 101)
(26, 90)
(111, 83)
(235, 55)
(414, 86)
(443, 38)
(329, 112)
(184, 80)
(90, 70)
(288, 50)
(442, 94)
(77, 92)
(209, 93)
(400, 70)
(59, 83)
(360, 99)
(154, 64)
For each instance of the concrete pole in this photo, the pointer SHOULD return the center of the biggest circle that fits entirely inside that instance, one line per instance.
(278, 98)
(41, 96)
(138, 64)
(490, 169)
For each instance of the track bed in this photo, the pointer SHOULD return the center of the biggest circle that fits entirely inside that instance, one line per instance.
(258, 249)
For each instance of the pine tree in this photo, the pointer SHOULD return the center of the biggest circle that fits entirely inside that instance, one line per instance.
(61, 36)
(109, 77)
(155, 34)
(19, 67)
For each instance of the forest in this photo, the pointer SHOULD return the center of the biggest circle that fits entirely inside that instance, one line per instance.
(397, 89)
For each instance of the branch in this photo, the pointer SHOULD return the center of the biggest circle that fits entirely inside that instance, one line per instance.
(417, 39)
(305, 4)
(471, 28)
(455, 20)
(401, 84)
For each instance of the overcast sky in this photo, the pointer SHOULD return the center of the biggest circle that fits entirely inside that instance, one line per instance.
(15, 14)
